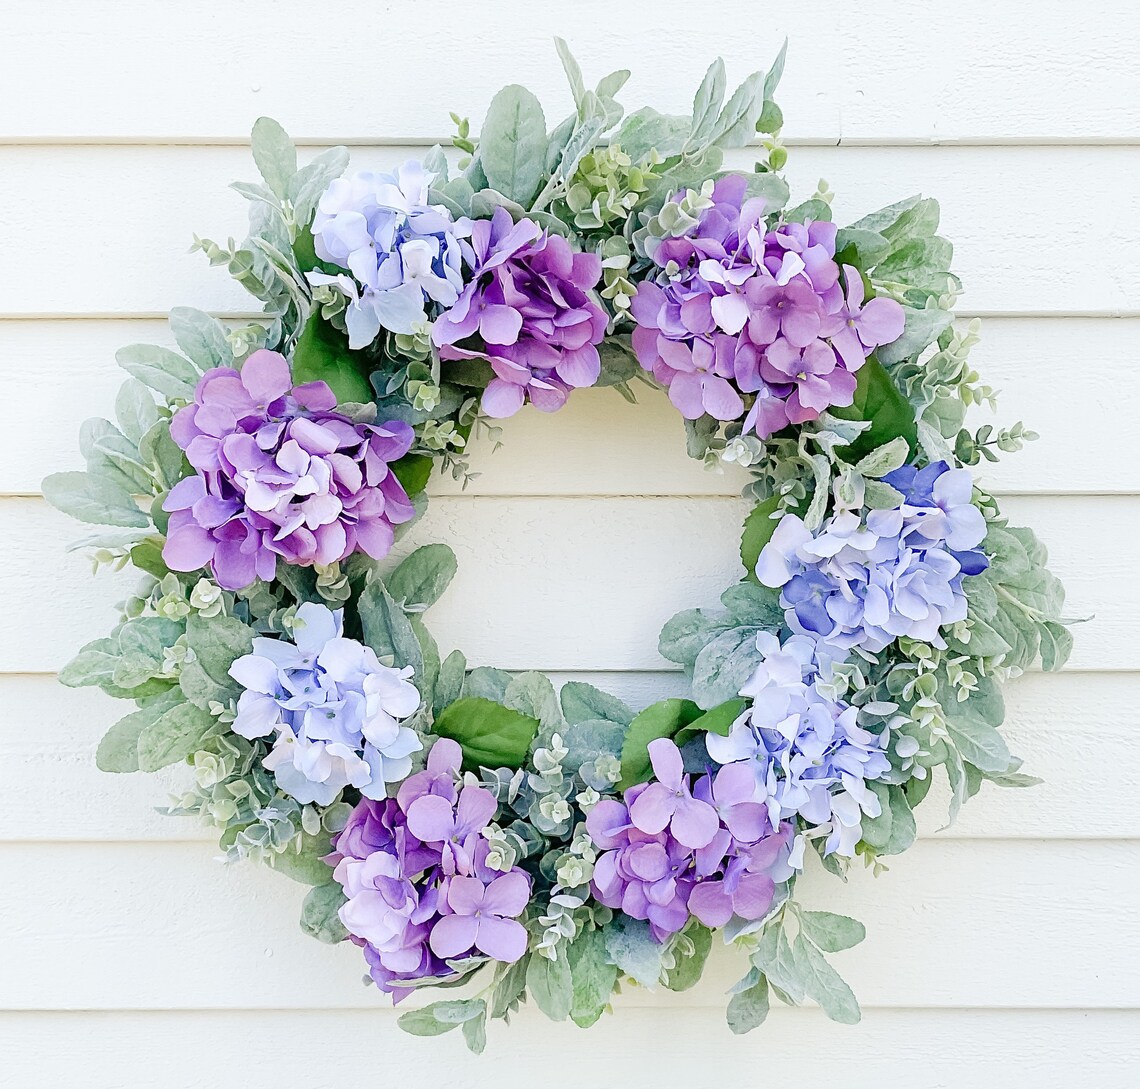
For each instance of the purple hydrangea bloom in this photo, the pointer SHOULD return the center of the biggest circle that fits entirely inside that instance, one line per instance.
(280, 473)
(331, 707)
(805, 752)
(668, 854)
(404, 254)
(866, 582)
(736, 308)
(409, 910)
(529, 312)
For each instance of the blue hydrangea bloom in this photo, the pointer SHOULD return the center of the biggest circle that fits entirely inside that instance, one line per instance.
(810, 757)
(331, 707)
(864, 582)
(403, 253)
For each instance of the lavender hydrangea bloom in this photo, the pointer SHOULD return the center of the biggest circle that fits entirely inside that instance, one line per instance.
(806, 753)
(403, 253)
(331, 707)
(280, 473)
(668, 854)
(529, 312)
(409, 908)
(736, 308)
(866, 582)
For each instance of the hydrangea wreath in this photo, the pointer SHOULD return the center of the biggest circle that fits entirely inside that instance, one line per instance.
(476, 826)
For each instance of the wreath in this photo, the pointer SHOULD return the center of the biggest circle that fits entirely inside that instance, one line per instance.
(470, 826)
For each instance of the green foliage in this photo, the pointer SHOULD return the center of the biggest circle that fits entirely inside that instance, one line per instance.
(582, 702)
(551, 985)
(758, 529)
(593, 977)
(663, 719)
(319, 918)
(413, 472)
(174, 735)
(512, 144)
(719, 720)
(216, 643)
(421, 579)
(748, 1009)
(878, 400)
(89, 498)
(274, 154)
(441, 1017)
(633, 950)
(118, 751)
(690, 951)
(387, 629)
(322, 354)
(491, 735)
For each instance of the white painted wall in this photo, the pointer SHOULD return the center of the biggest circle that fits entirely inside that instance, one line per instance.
(1006, 951)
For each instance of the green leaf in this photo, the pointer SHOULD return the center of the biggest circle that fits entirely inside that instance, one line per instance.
(582, 702)
(217, 642)
(322, 354)
(736, 124)
(921, 327)
(160, 369)
(774, 958)
(319, 918)
(421, 579)
(751, 603)
(306, 866)
(724, 665)
(491, 735)
(823, 983)
(93, 665)
(510, 989)
(441, 1017)
(532, 694)
(688, 969)
(173, 736)
(512, 145)
(972, 725)
(593, 977)
(903, 829)
(387, 629)
(879, 400)
(776, 72)
(831, 933)
(717, 721)
(488, 682)
(573, 73)
(748, 1009)
(135, 410)
(707, 103)
(201, 337)
(274, 154)
(551, 985)
(93, 499)
(475, 1033)
(118, 751)
(646, 130)
(449, 684)
(663, 719)
(758, 529)
(618, 362)
(413, 472)
(632, 949)
(141, 645)
(1056, 644)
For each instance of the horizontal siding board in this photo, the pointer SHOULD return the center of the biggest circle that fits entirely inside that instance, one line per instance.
(1066, 727)
(569, 583)
(127, 238)
(1024, 68)
(600, 445)
(954, 924)
(943, 1049)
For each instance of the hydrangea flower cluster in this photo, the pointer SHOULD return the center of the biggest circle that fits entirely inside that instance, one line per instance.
(331, 707)
(418, 887)
(402, 252)
(669, 853)
(864, 582)
(529, 312)
(279, 474)
(736, 308)
(805, 752)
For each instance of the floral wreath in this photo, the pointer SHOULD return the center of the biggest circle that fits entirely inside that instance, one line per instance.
(478, 827)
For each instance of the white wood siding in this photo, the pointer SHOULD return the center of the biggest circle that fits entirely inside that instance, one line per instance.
(1004, 951)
